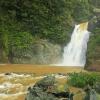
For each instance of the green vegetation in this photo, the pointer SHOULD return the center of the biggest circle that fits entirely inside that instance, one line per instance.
(22, 22)
(93, 53)
(83, 79)
(89, 82)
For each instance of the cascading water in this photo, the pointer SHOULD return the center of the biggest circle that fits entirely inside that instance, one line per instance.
(75, 52)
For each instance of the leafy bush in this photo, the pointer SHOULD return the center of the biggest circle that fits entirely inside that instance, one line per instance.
(83, 79)
(46, 19)
(19, 40)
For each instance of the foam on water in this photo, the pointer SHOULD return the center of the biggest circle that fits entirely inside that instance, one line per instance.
(16, 90)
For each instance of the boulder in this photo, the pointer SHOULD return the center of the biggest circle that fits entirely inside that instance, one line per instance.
(44, 90)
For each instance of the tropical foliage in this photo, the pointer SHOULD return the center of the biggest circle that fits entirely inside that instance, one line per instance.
(24, 21)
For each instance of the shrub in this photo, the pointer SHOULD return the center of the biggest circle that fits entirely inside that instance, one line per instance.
(82, 79)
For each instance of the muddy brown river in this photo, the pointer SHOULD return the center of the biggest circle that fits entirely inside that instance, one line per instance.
(15, 79)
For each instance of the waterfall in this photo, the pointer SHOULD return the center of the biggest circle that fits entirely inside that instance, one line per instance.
(75, 51)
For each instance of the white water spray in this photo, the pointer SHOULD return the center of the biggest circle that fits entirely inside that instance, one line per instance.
(75, 51)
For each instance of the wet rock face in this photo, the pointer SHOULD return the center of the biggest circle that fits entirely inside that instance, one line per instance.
(97, 87)
(93, 51)
(93, 23)
(3, 57)
(92, 26)
(41, 52)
